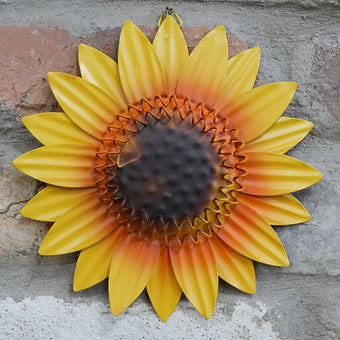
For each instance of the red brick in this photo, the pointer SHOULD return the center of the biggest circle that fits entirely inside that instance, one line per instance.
(29, 53)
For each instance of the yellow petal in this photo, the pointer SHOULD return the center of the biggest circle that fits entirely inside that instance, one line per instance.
(247, 233)
(163, 289)
(83, 225)
(203, 74)
(93, 264)
(233, 267)
(86, 104)
(67, 165)
(277, 210)
(140, 70)
(132, 264)
(56, 128)
(255, 111)
(171, 49)
(273, 174)
(196, 272)
(99, 69)
(281, 136)
(52, 202)
(241, 74)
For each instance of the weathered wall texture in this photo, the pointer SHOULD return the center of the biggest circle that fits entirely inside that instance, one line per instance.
(300, 41)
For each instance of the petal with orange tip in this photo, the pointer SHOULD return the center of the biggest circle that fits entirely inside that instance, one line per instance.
(269, 174)
(280, 137)
(250, 235)
(99, 69)
(67, 165)
(277, 210)
(196, 271)
(203, 74)
(85, 224)
(86, 104)
(140, 70)
(233, 267)
(163, 288)
(52, 202)
(171, 49)
(255, 111)
(56, 128)
(240, 77)
(132, 264)
(93, 265)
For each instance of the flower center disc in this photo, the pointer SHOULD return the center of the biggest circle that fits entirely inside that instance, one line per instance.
(167, 168)
(172, 175)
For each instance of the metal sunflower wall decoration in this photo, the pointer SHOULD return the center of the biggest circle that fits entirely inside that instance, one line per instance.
(167, 169)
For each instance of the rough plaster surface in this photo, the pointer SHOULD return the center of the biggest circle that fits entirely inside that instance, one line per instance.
(300, 41)
(21, 321)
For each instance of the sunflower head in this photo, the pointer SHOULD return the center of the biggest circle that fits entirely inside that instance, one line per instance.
(166, 170)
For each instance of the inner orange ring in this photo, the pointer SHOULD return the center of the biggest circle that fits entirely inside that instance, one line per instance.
(177, 112)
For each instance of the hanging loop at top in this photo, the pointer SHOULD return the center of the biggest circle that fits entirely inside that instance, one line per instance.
(169, 11)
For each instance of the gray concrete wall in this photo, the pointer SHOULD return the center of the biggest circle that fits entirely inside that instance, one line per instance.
(300, 41)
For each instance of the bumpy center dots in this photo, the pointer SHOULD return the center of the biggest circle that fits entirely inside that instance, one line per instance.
(173, 175)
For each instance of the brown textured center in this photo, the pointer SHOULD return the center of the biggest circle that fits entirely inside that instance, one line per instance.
(173, 174)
